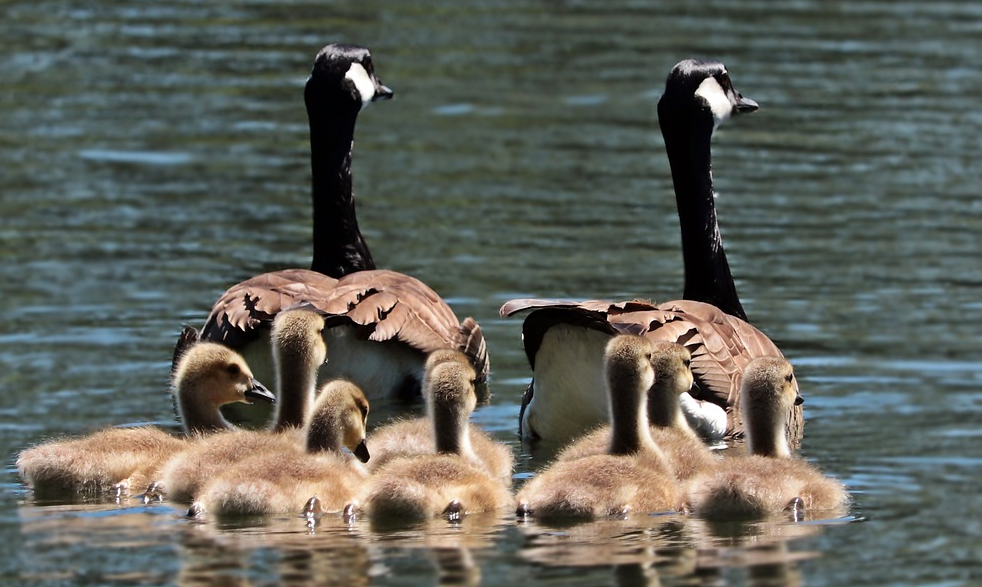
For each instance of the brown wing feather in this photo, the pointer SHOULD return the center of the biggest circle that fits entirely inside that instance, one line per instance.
(388, 305)
(721, 345)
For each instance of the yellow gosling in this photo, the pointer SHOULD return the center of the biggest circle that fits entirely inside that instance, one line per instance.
(284, 482)
(206, 377)
(447, 483)
(770, 480)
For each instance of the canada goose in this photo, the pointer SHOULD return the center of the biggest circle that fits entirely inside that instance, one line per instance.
(381, 323)
(564, 340)
(685, 452)
(634, 474)
(206, 377)
(769, 480)
(299, 350)
(416, 436)
(447, 483)
(283, 482)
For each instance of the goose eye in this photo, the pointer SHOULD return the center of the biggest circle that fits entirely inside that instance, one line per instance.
(233, 369)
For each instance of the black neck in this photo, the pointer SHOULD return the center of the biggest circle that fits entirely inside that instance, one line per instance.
(339, 248)
(707, 273)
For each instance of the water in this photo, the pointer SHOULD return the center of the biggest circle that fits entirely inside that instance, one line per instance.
(154, 154)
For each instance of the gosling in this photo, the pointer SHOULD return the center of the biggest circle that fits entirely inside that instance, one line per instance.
(206, 377)
(315, 479)
(769, 481)
(415, 437)
(445, 482)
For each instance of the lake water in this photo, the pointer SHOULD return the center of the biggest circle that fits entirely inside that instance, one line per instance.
(153, 154)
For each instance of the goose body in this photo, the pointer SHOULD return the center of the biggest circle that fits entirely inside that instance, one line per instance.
(206, 377)
(447, 481)
(687, 455)
(633, 475)
(770, 480)
(564, 341)
(385, 321)
(284, 482)
(406, 438)
(299, 351)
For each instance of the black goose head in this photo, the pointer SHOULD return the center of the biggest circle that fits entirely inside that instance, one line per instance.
(343, 75)
(701, 90)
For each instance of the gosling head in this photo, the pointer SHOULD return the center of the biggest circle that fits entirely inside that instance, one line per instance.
(672, 364)
(673, 377)
(208, 376)
(701, 90)
(219, 374)
(343, 76)
(628, 366)
(339, 418)
(767, 395)
(443, 356)
(298, 336)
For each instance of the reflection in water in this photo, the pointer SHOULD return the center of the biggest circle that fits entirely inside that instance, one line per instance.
(648, 550)
(93, 543)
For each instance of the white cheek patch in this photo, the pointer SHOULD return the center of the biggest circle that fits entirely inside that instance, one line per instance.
(363, 82)
(710, 91)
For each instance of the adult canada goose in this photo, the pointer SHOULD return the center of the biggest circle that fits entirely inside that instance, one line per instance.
(564, 340)
(684, 450)
(770, 480)
(285, 482)
(299, 349)
(633, 475)
(206, 377)
(415, 488)
(404, 438)
(381, 324)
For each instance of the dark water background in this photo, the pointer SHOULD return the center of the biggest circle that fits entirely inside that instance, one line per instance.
(151, 154)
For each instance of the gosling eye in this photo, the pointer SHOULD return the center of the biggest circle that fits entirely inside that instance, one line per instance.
(686, 362)
(233, 369)
(789, 378)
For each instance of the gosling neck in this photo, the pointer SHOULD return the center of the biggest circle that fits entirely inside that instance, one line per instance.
(339, 248)
(451, 430)
(629, 423)
(765, 433)
(707, 272)
(199, 417)
(296, 382)
(325, 433)
(665, 408)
